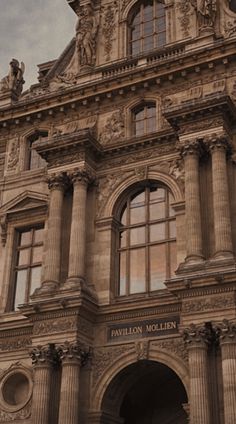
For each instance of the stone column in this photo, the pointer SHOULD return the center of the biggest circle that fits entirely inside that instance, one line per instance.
(76, 273)
(191, 152)
(57, 184)
(72, 356)
(228, 352)
(221, 207)
(196, 339)
(43, 358)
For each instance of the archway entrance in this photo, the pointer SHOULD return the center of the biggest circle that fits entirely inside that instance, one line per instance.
(145, 392)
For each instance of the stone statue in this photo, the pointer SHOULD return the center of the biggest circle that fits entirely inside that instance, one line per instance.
(114, 129)
(206, 12)
(85, 46)
(14, 80)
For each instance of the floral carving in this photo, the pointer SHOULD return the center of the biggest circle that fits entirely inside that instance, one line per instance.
(55, 326)
(109, 27)
(230, 28)
(175, 346)
(227, 331)
(104, 357)
(206, 304)
(185, 9)
(142, 350)
(197, 335)
(23, 414)
(114, 129)
(15, 344)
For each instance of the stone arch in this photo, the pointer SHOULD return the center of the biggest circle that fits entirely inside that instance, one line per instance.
(156, 354)
(159, 176)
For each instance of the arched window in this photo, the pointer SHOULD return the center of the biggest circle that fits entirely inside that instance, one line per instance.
(34, 160)
(144, 119)
(147, 26)
(147, 240)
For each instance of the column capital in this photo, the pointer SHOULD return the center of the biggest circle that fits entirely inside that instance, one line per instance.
(82, 176)
(58, 181)
(197, 336)
(44, 355)
(70, 352)
(227, 331)
(217, 141)
(190, 147)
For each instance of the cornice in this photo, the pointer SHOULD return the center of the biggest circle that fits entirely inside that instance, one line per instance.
(121, 78)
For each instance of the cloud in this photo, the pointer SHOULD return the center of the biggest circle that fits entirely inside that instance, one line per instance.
(34, 31)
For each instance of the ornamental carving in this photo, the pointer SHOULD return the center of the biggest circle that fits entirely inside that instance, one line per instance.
(175, 346)
(70, 351)
(230, 28)
(14, 81)
(108, 28)
(185, 9)
(227, 331)
(55, 326)
(206, 13)
(191, 127)
(82, 175)
(114, 129)
(142, 350)
(23, 414)
(58, 181)
(13, 154)
(9, 345)
(105, 357)
(197, 335)
(44, 355)
(208, 304)
(177, 171)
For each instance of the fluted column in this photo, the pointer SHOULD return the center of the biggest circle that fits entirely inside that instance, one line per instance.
(72, 356)
(76, 273)
(228, 353)
(43, 360)
(57, 184)
(191, 152)
(221, 207)
(196, 339)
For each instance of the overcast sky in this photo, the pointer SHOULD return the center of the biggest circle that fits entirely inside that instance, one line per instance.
(33, 31)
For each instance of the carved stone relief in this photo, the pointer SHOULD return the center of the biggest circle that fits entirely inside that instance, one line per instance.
(108, 27)
(208, 304)
(186, 12)
(114, 129)
(23, 414)
(142, 350)
(175, 346)
(55, 326)
(13, 154)
(12, 344)
(206, 13)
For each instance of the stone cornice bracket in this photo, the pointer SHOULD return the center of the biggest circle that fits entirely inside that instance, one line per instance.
(227, 331)
(59, 181)
(197, 336)
(44, 355)
(73, 352)
(82, 176)
(216, 141)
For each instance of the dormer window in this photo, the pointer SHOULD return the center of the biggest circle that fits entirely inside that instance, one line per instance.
(147, 27)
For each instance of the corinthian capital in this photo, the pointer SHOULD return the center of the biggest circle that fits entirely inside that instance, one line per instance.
(82, 175)
(190, 147)
(197, 336)
(73, 351)
(43, 355)
(217, 141)
(58, 181)
(227, 331)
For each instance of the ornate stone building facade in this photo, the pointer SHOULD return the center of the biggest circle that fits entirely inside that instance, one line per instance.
(117, 213)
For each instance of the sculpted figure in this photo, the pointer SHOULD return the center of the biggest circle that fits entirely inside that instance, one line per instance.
(206, 12)
(114, 129)
(85, 48)
(14, 80)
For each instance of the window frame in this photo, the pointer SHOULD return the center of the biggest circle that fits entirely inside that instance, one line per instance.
(30, 140)
(138, 8)
(144, 186)
(144, 106)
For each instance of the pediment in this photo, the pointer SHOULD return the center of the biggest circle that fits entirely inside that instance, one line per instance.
(61, 63)
(27, 200)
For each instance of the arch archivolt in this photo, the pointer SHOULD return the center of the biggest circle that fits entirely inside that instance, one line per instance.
(155, 353)
(155, 175)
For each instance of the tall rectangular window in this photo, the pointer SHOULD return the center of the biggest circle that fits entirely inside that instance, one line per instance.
(27, 270)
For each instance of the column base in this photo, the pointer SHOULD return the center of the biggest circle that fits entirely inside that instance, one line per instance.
(80, 285)
(191, 263)
(47, 287)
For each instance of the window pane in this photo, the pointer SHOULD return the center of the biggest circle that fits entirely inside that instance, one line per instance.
(135, 34)
(151, 111)
(157, 194)
(24, 257)
(157, 232)
(38, 235)
(136, 47)
(171, 210)
(35, 278)
(138, 199)
(37, 254)
(148, 13)
(173, 258)
(20, 295)
(123, 238)
(160, 25)
(137, 235)
(122, 285)
(151, 125)
(148, 29)
(157, 266)
(25, 238)
(137, 215)
(139, 128)
(137, 271)
(148, 43)
(157, 211)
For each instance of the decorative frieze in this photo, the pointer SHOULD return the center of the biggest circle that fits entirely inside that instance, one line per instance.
(55, 326)
(175, 345)
(208, 304)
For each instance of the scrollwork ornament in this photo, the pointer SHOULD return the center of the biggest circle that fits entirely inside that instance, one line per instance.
(215, 141)
(13, 155)
(109, 27)
(83, 176)
(190, 147)
(185, 9)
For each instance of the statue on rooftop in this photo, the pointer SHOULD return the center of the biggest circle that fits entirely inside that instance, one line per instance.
(14, 80)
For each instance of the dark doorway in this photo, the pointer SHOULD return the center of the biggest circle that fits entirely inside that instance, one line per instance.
(147, 392)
